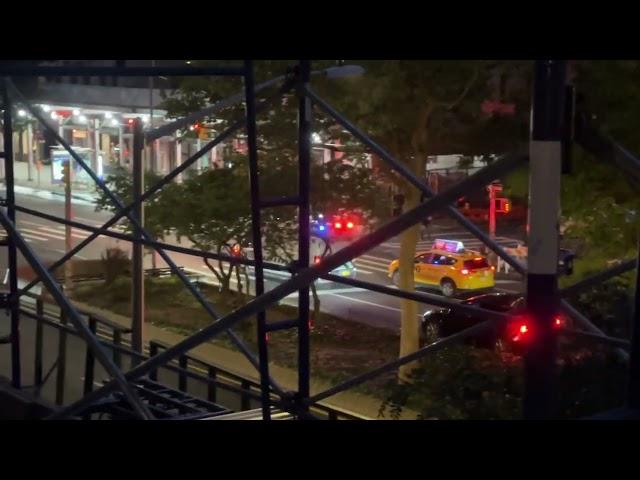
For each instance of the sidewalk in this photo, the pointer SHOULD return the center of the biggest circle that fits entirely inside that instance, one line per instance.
(41, 184)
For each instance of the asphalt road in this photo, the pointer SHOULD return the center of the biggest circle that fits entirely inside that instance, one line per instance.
(47, 239)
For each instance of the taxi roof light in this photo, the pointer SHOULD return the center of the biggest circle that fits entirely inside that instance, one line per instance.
(452, 246)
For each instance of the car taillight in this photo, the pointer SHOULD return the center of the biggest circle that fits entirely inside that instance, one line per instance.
(464, 271)
(520, 329)
(349, 225)
(557, 321)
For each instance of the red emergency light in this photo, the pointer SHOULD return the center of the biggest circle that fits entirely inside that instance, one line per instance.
(521, 328)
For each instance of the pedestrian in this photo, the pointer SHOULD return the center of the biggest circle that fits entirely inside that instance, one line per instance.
(425, 223)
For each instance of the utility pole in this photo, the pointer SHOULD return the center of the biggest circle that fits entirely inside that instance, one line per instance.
(120, 146)
(29, 151)
(68, 215)
(545, 164)
(96, 145)
(137, 255)
(493, 189)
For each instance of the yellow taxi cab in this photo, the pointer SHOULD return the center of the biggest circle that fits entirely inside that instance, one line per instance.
(450, 267)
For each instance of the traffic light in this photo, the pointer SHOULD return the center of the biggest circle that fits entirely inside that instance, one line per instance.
(503, 205)
(66, 173)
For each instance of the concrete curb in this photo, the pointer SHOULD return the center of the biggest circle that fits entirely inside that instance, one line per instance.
(52, 194)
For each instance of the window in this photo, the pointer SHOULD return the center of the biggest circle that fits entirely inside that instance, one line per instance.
(424, 258)
(438, 259)
(476, 264)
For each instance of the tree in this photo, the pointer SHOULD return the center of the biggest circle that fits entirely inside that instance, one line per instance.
(120, 182)
(335, 184)
(212, 211)
(599, 204)
(420, 108)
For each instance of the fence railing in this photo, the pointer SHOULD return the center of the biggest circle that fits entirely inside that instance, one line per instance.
(115, 337)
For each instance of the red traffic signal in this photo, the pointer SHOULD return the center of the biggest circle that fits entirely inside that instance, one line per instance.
(503, 205)
(66, 173)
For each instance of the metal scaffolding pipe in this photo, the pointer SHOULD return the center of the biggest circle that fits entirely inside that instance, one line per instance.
(421, 185)
(72, 314)
(142, 231)
(308, 275)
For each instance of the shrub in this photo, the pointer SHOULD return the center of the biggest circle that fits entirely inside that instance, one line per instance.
(115, 263)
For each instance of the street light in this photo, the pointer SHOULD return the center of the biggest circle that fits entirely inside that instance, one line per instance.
(341, 71)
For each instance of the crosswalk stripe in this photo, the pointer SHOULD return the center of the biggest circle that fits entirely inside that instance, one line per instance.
(90, 222)
(38, 232)
(361, 270)
(373, 262)
(45, 230)
(380, 259)
(375, 269)
(74, 232)
(29, 236)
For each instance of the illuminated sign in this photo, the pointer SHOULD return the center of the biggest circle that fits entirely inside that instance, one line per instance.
(452, 246)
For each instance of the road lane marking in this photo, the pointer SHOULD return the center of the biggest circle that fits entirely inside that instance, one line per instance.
(367, 303)
(419, 315)
(89, 221)
(331, 292)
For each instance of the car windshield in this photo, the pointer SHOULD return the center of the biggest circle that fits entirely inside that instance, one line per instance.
(476, 263)
(498, 303)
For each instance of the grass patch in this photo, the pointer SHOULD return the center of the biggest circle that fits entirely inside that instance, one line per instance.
(340, 348)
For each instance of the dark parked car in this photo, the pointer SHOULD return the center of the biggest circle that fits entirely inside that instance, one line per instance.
(445, 322)
(565, 261)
